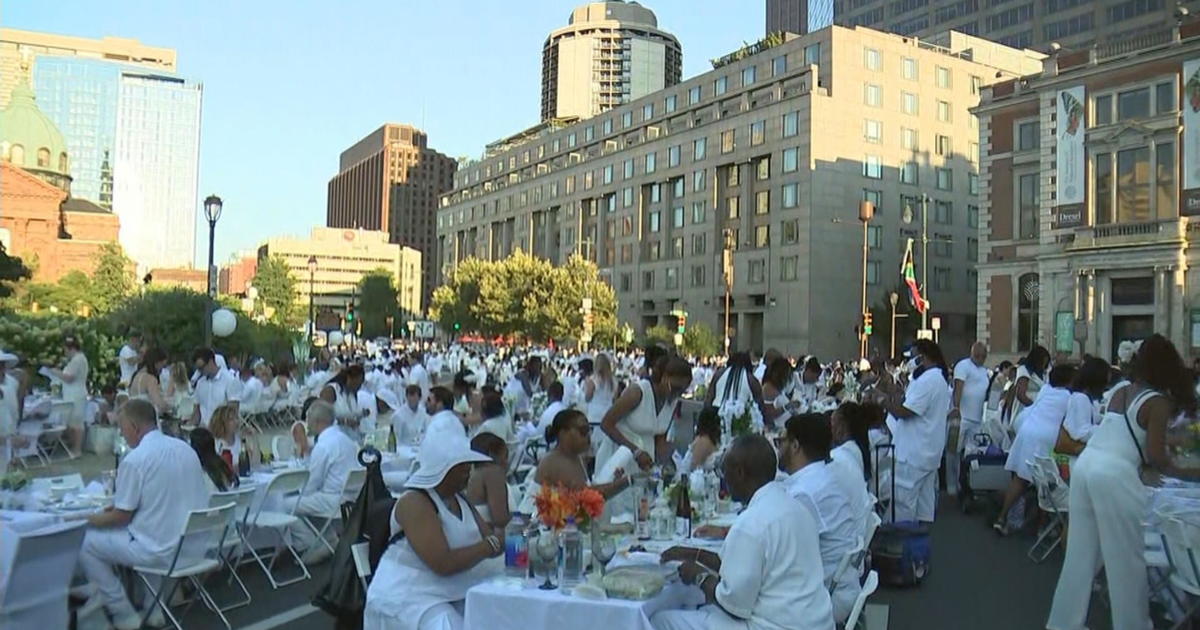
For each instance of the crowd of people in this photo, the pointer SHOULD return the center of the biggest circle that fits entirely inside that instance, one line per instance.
(796, 441)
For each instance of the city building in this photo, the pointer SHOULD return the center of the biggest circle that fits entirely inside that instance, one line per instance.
(1084, 238)
(343, 257)
(609, 53)
(774, 148)
(233, 278)
(798, 16)
(1071, 23)
(53, 232)
(16, 44)
(193, 279)
(132, 128)
(391, 181)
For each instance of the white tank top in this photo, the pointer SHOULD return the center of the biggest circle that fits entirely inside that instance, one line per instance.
(1115, 438)
(602, 399)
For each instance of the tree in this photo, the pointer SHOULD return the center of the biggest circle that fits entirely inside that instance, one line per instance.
(277, 292)
(659, 335)
(376, 303)
(112, 281)
(12, 271)
(699, 340)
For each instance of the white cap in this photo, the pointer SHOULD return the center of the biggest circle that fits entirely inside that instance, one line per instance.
(388, 398)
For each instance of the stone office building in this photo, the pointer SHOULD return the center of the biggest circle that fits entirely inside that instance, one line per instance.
(775, 147)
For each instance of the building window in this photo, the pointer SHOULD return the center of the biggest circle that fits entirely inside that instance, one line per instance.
(762, 168)
(872, 59)
(647, 111)
(1028, 135)
(876, 199)
(941, 278)
(721, 85)
(607, 126)
(587, 180)
(699, 244)
(943, 111)
(647, 279)
(762, 202)
(655, 193)
(651, 162)
(43, 157)
(1027, 198)
(873, 131)
(1165, 188)
(672, 278)
(732, 175)
(972, 281)
(655, 251)
(875, 236)
(626, 282)
(627, 253)
(698, 212)
(762, 236)
(973, 152)
(589, 134)
(791, 124)
(873, 167)
(732, 209)
(758, 133)
(626, 120)
(789, 195)
(909, 139)
(945, 179)
(627, 198)
(791, 232)
(608, 174)
(872, 272)
(788, 266)
(699, 182)
(812, 54)
(972, 216)
(694, 95)
(671, 103)
(972, 249)
(909, 68)
(748, 75)
(1165, 97)
(908, 173)
(698, 148)
(626, 226)
(1133, 185)
(909, 103)
(673, 154)
(872, 95)
(757, 270)
(697, 275)
(976, 84)
(1028, 296)
(629, 168)
(571, 140)
(942, 247)
(942, 76)
(779, 65)
(791, 160)
(677, 187)
(727, 139)
(943, 146)
(973, 183)
(943, 212)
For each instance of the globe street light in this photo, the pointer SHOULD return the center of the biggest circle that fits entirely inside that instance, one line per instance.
(312, 322)
(212, 212)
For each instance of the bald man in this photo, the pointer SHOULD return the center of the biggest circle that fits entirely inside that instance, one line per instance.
(966, 407)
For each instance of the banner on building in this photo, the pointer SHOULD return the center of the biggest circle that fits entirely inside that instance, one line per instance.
(1071, 158)
(1191, 138)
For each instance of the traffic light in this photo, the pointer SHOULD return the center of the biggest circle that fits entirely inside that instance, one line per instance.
(349, 312)
(867, 323)
(457, 326)
(682, 327)
(589, 322)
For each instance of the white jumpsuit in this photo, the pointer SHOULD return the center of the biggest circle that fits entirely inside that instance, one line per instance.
(1108, 502)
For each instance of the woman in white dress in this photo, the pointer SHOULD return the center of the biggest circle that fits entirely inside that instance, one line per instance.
(495, 419)
(734, 382)
(1036, 437)
(1083, 408)
(570, 433)
(1108, 492)
(423, 578)
(640, 418)
(777, 383)
(144, 382)
(342, 392)
(598, 392)
(1030, 377)
(701, 454)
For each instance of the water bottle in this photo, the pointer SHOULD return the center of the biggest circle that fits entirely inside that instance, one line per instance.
(572, 555)
(516, 548)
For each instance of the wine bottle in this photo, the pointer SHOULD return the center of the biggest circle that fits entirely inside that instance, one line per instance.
(683, 509)
(391, 445)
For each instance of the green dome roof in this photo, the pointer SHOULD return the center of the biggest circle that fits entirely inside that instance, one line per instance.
(28, 138)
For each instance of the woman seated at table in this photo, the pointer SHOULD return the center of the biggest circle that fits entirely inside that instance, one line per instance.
(700, 454)
(495, 419)
(488, 488)
(570, 434)
(299, 431)
(219, 474)
(423, 578)
(226, 430)
(177, 389)
(144, 383)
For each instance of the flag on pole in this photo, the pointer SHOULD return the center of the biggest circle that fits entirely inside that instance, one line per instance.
(908, 272)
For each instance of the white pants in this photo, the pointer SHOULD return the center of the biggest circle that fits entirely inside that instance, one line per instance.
(916, 493)
(682, 619)
(845, 594)
(104, 549)
(1107, 504)
(445, 616)
(317, 506)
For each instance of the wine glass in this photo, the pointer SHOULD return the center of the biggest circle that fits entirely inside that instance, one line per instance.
(545, 551)
(603, 550)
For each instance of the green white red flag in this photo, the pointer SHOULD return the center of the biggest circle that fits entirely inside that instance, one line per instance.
(909, 273)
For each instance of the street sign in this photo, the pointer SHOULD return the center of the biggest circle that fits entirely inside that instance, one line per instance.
(423, 329)
(678, 339)
(328, 320)
(925, 333)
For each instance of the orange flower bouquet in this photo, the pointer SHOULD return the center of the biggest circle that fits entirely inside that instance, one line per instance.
(555, 504)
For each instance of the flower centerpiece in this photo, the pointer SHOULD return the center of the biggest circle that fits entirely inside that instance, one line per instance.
(537, 404)
(555, 504)
(736, 418)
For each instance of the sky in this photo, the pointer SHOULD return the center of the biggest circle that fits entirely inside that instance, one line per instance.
(289, 85)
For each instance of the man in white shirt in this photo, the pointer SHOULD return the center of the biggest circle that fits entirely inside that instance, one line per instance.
(554, 394)
(966, 407)
(768, 575)
(522, 386)
(214, 387)
(252, 390)
(158, 483)
(410, 419)
(804, 456)
(440, 405)
(918, 425)
(129, 357)
(329, 465)
(10, 410)
(418, 375)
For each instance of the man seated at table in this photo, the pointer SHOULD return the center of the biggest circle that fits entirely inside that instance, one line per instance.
(329, 464)
(215, 386)
(410, 419)
(443, 420)
(158, 483)
(768, 574)
(804, 456)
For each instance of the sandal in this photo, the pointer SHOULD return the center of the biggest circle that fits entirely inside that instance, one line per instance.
(1000, 527)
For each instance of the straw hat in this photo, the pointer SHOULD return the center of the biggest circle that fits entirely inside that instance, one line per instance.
(439, 453)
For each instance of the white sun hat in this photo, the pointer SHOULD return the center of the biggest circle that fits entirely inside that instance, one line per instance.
(439, 453)
(389, 398)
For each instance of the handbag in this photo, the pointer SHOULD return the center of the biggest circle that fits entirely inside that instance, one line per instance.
(1066, 444)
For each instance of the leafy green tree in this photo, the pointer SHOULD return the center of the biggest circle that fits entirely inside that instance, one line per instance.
(699, 340)
(12, 271)
(376, 302)
(277, 292)
(660, 335)
(112, 281)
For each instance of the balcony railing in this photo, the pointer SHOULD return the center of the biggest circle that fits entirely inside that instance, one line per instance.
(1130, 234)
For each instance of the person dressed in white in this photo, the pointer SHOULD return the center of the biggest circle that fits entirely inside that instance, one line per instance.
(554, 394)
(966, 407)
(439, 544)
(734, 383)
(74, 376)
(158, 483)
(214, 387)
(129, 358)
(410, 419)
(418, 375)
(1108, 498)
(251, 401)
(341, 392)
(918, 426)
(1028, 382)
(333, 457)
(804, 456)
(1083, 408)
(598, 392)
(851, 459)
(768, 575)
(641, 417)
(10, 410)
(442, 420)
(522, 386)
(495, 420)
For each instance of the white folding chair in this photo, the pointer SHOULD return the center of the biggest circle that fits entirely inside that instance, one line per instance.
(35, 575)
(279, 522)
(203, 536)
(354, 483)
(853, 558)
(283, 447)
(362, 562)
(234, 545)
(1053, 497)
(869, 587)
(1181, 542)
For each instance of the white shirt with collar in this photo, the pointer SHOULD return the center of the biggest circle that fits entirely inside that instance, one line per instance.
(251, 398)
(409, 423)
(771, 577)
(975, 388)
(212, 392)
(332, 459)
(160, 481)
(921, 438)
(816, 488)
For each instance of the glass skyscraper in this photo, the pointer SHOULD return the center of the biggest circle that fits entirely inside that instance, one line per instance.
(134, 139)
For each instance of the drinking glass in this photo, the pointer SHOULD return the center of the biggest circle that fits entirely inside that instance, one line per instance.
(603, 550)
(545, 551)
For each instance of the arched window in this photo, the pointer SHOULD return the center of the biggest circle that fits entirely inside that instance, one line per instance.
(1028, 296)
(16, 155)
(43, 157)
(62, 162)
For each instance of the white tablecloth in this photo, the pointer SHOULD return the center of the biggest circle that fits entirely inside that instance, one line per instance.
(496, 605)
(24, 522)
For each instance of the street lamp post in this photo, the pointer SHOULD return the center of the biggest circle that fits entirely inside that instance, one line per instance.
(866, 210)
(925, 259)
(212, 212)
(312, 313)
(727, 267)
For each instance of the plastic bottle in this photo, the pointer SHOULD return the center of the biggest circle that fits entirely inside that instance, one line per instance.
(572, 555)
(662, 519)
(516, 548)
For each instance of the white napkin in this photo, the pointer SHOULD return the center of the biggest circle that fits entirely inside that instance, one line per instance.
(94, 489)
(622, 458)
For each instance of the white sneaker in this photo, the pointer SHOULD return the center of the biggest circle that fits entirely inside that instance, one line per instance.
(156, 619)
